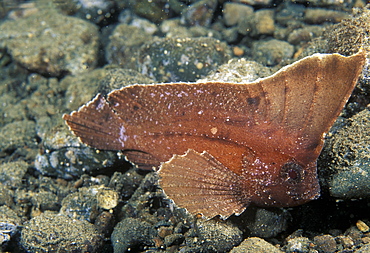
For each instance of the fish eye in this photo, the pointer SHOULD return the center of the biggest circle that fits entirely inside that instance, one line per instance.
(292, 172)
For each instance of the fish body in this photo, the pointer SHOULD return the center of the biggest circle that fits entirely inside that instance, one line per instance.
(221, 146)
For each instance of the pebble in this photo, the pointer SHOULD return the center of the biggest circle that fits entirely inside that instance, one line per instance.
(235, 13)
(264, 23)
(272, 52)
(362, 226)
(107, 198)
(304, 35)
(319, 16)
(297, 244)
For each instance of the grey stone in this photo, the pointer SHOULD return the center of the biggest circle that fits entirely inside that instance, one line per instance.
(55, 232)
(42, 42)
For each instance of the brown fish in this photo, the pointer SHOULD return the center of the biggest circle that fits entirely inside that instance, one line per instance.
(221, 146)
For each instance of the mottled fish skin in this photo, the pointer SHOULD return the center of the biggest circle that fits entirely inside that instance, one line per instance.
(221, 146)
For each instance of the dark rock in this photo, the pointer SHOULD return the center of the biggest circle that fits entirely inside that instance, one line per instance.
(9, 225)
(349, 164)
(156, 11)
(171, 60)
(132, 234)
(325, 243)
(266, 223)
(199, 13)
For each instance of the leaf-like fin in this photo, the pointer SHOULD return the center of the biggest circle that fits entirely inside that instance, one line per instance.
(201, 184)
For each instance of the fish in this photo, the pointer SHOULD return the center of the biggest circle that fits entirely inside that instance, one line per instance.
(219, 147)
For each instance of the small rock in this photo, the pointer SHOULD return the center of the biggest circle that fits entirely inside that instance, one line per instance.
(218, 236)
(298, 245)
(117, 78)
(12, 173)
(107, 198)
(173, 239)
(263, 22)
(348, 151)
(72, 162)
(304, 34)
(55, 232)
(173, 29)
(124, 42)
(363, 249)
(345, 241)
(177, 59)
(104, 223)
(272, 52)
(238, 71)
(260, 23)
(85, 204)
(94, 11)
(81, 88)
(289, 13)
(126, 183)
(255, 2)
(9, 224)
(132, 234)
(6, 195)
(255, 245)
(362, 226)
(325, 243)
(319, 16)
(266, 223)
(18, 134)
(45, 200)
(234, 13)
(355, 234)
(48, 36)
(156, 11)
